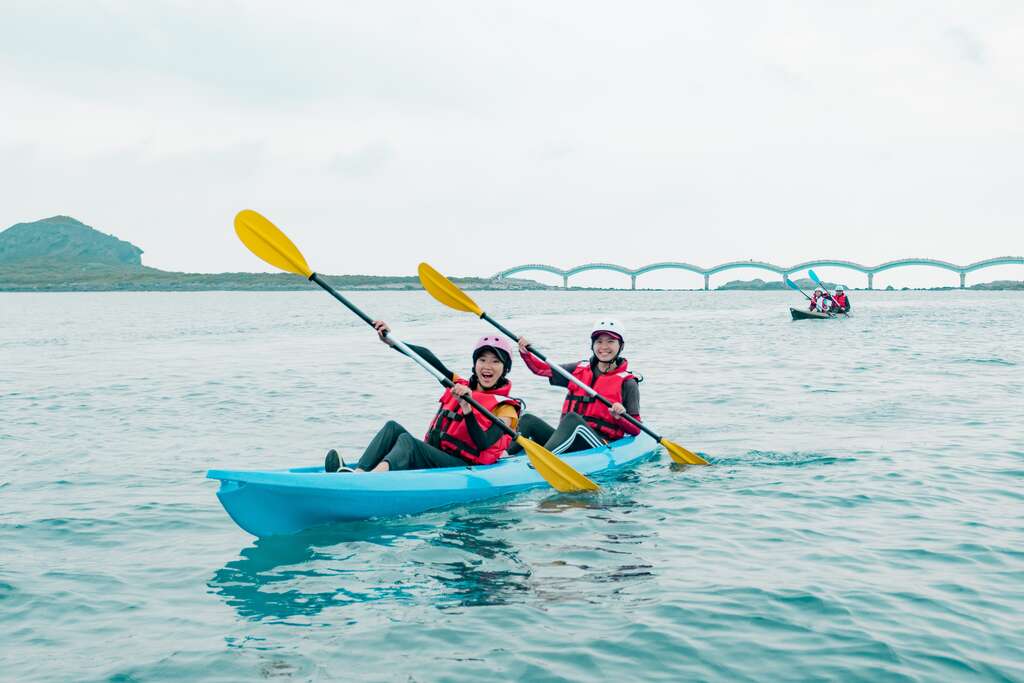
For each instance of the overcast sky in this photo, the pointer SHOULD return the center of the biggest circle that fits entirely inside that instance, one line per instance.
(480, 135)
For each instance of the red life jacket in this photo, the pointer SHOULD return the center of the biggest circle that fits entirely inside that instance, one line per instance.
(448, 430)
(593, 411)
(840, 299)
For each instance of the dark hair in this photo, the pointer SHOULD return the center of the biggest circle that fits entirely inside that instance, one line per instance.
(502, 355)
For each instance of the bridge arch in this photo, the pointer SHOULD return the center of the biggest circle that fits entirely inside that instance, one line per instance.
(733, 265)
(670, 265)
(530, 266)
(998, 261)
(599, 266)
(828, 263)
(665, 265)
(614, 267)
(889, 265)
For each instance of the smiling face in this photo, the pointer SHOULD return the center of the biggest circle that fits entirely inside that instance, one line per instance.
(606, 347)
(488, 368)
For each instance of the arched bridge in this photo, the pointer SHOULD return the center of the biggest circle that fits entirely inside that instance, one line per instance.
(870, 271)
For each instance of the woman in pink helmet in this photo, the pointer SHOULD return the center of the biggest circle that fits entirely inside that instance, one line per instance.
(585, 422)
(458, 435)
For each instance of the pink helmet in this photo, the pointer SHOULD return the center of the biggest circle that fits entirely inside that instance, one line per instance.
(493, 342)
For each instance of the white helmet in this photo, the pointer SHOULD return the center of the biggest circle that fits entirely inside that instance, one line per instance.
(819, 290)
(839, 288)
(608, 326)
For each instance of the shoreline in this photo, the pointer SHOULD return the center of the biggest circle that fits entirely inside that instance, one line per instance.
(302, 288)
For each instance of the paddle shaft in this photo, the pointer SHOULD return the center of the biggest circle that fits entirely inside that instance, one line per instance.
(817, 281)
(795, 286)
(572, 378)
(400, 345)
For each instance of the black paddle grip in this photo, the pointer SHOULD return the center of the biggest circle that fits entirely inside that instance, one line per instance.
(348, 304)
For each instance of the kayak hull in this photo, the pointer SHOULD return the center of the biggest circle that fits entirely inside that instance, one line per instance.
(268, 503)
(799, 314)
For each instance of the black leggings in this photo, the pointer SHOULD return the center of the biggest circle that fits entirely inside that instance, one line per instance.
(403, 451)
(573, 434)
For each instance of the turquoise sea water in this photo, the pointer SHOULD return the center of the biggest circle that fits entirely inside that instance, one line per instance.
(863, 520)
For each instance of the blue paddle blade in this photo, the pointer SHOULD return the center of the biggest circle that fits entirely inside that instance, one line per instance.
(791, 284)
(814, 277)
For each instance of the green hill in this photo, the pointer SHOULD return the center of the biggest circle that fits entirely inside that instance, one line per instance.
(758, 284)
(62, 239)
(1000, 284)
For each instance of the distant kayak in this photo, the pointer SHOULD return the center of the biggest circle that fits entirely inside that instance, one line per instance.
(266, 503)
(800, 314)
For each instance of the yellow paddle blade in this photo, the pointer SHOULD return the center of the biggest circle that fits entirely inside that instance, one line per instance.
(681, 455)
(556, 472)
(265, 240)
(445, 291)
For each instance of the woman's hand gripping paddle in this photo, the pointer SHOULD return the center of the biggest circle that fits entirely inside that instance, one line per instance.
(265, 240)
(445, 291)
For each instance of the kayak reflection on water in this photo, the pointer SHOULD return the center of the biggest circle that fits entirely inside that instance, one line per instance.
(473, 558)
(281, 578)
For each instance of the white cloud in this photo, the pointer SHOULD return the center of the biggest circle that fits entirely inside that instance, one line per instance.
(480, 136)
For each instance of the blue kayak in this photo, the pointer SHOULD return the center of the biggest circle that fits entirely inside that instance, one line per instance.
(266, 503)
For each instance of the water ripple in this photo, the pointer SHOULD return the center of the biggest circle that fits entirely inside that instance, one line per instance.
(861, 521)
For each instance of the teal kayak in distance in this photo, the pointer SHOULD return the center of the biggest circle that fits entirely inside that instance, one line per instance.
(267, 503)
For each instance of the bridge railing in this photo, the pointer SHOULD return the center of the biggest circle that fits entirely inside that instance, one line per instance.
(870, 271)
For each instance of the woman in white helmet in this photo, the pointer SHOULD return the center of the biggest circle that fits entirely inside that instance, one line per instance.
(824, 302)
(586, 422)
(816, 299)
